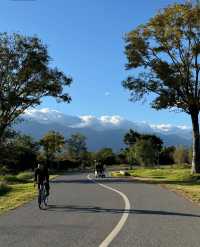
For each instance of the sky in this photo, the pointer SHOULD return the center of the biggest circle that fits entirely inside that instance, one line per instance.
(85, 41)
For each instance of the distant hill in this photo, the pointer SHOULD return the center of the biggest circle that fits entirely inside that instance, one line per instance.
(106, 131)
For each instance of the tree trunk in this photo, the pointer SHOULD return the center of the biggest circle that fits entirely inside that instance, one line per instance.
(195, 146)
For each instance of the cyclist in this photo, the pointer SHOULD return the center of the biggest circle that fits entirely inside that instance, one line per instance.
(42, 177)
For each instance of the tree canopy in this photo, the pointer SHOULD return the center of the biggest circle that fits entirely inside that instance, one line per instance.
(76, 145)
(26, 77)
(132, 137)
(52, 143)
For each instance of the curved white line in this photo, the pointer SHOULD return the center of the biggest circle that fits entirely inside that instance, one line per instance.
(123, 219)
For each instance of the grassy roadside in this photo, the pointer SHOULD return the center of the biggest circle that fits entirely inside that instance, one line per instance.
(16, 191)
(177, 179)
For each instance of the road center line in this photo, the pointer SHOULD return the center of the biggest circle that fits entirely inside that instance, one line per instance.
(123, 219)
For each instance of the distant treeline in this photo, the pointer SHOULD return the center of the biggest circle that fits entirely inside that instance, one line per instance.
(21, 152)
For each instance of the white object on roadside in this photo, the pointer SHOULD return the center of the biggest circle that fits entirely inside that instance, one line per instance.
(122, 172)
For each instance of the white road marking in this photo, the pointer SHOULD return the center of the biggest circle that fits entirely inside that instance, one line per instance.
(123, 219)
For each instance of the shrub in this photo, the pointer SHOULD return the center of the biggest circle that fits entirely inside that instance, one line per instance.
(3, 170)
(4, 188)
(25, 176)
(10, 179)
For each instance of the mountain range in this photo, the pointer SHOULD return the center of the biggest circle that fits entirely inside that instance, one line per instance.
(105, 131)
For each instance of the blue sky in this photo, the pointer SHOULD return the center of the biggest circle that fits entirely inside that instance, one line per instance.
(85, 40)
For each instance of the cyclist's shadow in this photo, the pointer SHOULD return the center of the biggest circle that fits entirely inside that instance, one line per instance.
(96, 209)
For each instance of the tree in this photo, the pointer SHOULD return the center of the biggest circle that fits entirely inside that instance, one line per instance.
(19, 152)
(145, 153)
(106, 156)
(156, 142)
(166, 156)
(181, 155)
(131, 156)
(26, 77)
(76, 145)
(52, 143)
(131, 137)
(167, 48)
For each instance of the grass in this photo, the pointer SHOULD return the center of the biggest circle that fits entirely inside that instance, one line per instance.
(23, 177)
(16, 190)
(176, 178)
(18, 195)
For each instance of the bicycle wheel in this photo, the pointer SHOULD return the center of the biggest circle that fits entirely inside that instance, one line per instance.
(39, 198)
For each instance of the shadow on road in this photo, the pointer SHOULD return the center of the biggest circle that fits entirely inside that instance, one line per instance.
(126, 180)
(90, 209)
(87, 181)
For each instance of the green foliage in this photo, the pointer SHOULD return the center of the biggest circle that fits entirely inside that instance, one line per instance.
(3, 170)
(131, 156)
(179, 174)
(25, 176)
(26, 77)
(106, 156)
(76, 145)
(143, 148)
(145, 153)
(131, 137)
(11, 179)
(166, 156)
(181, 155)
(52, 143)
(167, 46)
(19, 153)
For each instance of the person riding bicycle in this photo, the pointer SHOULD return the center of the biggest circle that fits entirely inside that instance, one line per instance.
(42, 177)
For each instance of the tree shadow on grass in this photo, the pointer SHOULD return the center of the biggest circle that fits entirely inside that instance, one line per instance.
(95, 209)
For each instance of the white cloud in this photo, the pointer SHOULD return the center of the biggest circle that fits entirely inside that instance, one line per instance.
(47, 115)
(163, 127)
(33, 112)
(116, 120)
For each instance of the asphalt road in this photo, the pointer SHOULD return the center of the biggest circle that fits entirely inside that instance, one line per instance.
(83, 213)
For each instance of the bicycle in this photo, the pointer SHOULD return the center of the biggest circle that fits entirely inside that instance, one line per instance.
(42, 196)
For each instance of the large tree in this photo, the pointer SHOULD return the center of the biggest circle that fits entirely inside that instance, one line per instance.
(52, 143)
(18, 152)
(145, 153)
(106, 156)
(132, 137)
(167, 50)
(26, 77)
(77, 146)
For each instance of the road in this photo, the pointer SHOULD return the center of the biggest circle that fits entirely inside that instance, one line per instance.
(83, 213)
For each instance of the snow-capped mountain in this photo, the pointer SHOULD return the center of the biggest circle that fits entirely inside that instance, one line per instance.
(104, 131)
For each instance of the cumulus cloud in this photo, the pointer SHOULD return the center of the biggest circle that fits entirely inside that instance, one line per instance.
(101, 122)
(115, 120)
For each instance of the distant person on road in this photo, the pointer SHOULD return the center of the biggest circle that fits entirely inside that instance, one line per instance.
(42, 177)
(97, 168)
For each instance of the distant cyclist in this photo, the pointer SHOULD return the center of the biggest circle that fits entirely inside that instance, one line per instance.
(42, 177)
